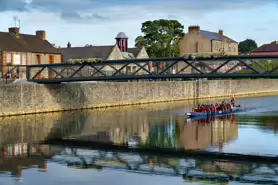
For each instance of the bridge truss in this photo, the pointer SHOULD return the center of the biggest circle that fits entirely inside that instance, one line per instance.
(190, 165)
(189, 168)
(157, 68)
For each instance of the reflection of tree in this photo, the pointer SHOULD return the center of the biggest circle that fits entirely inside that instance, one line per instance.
(164, 135)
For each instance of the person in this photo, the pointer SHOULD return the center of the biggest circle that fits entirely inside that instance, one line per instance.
(212, 108)
(198, 109)
(233, 100)
(203, 109)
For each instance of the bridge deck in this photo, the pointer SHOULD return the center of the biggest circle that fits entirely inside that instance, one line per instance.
(157, 68)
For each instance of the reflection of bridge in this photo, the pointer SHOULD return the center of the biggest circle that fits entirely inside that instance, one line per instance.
(189, 168)
(173, 68)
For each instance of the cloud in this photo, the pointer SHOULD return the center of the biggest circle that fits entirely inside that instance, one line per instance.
(110, 10)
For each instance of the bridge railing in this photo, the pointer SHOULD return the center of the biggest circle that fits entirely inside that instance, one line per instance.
(158, 68)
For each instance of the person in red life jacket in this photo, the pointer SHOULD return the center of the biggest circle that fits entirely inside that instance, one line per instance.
(233, 100)
(203, 108)
(208, 109)
(197, 109)
(212, 108)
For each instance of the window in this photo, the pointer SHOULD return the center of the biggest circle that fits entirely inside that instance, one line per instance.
(38, 59)
(23, 59)
(51, 59)
(9, 58)
(234, 48)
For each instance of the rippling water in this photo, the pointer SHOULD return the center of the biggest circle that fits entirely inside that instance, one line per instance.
(157, 125)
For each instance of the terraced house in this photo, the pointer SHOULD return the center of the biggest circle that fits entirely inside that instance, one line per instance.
(25, 49)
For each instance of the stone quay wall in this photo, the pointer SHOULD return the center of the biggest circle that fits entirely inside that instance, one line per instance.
(18, 99)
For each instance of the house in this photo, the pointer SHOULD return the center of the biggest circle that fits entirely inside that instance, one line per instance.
(266, 49)
(25, 49)
(201, 41)
(119, 51)
(205, 42)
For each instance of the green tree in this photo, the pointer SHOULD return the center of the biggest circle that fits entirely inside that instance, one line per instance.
(247, 46)
(161, 37)
(140, 42)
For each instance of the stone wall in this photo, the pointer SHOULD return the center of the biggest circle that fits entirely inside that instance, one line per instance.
(35, 98)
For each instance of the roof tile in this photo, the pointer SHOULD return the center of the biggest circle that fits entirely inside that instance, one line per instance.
(215, 36)
(25, 43)
(267, 48)
(86, 52)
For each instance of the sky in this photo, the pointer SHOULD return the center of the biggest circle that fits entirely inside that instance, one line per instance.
(97, 22)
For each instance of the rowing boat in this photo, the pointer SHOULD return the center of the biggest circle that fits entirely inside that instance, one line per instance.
(204, 114)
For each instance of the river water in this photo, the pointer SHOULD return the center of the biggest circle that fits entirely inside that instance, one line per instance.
(254, 131)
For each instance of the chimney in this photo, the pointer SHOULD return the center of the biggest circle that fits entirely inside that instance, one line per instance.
(69, 45)
(14, 30)
(41, 33)
(194, 29)
(221, 32)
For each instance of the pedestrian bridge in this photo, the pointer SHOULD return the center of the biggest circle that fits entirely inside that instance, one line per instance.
(182, 68)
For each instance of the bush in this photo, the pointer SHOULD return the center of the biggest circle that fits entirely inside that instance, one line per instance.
(204, 56)
(85, 61)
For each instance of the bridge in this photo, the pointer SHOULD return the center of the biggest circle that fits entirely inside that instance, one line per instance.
(204, 168)
(182, 68)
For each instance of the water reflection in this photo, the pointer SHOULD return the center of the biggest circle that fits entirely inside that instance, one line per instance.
(138, 126)
(198, 168)
(159, 125)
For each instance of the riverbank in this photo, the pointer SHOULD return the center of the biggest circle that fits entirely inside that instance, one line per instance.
(36, 98)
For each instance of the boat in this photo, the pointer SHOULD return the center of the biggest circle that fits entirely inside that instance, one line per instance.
(205, 114)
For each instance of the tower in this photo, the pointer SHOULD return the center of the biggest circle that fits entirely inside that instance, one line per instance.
(122, 41)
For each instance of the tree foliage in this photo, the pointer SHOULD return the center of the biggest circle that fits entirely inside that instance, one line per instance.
(247, 46)
(161, 37)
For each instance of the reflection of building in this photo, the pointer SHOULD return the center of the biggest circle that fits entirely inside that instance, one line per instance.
(21, 155)
(223, 131)
(204, 133)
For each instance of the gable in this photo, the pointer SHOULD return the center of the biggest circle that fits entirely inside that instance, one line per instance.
(102, 52)
(143, 53)
(25, 43)
(115, 54)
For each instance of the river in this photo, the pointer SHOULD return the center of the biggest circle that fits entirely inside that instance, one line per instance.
(24, 161)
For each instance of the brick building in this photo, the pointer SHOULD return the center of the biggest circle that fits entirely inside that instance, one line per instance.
(266, 49)
(25, 49)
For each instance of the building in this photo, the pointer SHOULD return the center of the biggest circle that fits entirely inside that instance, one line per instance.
(25, 49)
(201, 41)
(129, 53)
(119, 51)
(266, 49)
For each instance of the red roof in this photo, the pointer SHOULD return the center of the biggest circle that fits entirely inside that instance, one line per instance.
(267, 48)
(264, 53)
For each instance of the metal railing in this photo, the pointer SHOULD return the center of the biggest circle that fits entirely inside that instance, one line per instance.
(157, 68)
